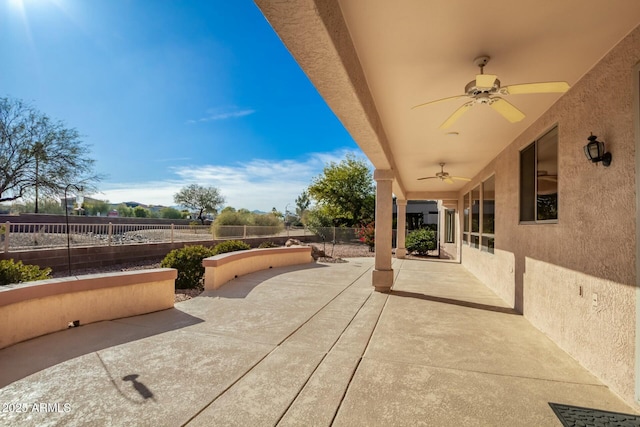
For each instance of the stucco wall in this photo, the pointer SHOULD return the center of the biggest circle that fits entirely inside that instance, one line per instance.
(220, 269)
(592, 247)
(32, 309)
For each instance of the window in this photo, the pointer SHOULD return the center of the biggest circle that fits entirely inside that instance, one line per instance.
(450, 225)
(466, 218)
(475, 210)
(488, 214)
(475, 217)
(539, 179)
(479, 216)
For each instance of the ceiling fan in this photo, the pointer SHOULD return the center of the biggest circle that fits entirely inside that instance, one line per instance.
(485, 89)
(444, 176)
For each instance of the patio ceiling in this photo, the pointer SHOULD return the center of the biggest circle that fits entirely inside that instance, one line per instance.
(372, 61)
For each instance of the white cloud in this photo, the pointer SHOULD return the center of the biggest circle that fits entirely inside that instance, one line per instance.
(258, 184)
(213, 115)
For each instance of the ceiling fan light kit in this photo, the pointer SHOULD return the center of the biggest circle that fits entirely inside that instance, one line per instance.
(486, 89)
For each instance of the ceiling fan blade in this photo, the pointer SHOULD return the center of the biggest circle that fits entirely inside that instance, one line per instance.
(427, 177)
(507, 110)
(438, 100)
(545, 87)
(485, 80)
(448, 180)
(459, 178)
(456, 115)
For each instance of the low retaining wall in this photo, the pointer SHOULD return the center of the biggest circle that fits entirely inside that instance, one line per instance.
(31, 309)
(101, 256)
(220, 269)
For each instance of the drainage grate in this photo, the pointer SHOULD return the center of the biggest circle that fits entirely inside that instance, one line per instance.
(573, 416)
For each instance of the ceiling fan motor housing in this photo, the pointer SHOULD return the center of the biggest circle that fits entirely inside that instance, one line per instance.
(474, 91)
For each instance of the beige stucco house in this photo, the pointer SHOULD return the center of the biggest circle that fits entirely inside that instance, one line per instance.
(552, 233)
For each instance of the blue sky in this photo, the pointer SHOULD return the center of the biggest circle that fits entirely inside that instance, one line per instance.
(170, 93)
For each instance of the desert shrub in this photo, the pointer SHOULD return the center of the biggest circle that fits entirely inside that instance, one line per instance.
(17, 272)
(188, 262)
(267, 224)
(268, 244)
(421, 241)
(258, 224)
(265, 230)
(230, 246)
(266, 220)
(432, 227)
(170, 213)
(367, 234)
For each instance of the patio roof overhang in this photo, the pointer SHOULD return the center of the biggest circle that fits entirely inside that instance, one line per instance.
(373, 61)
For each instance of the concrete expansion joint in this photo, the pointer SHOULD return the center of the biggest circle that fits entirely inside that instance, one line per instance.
(331, 349)
(355, 370)
(283, 341)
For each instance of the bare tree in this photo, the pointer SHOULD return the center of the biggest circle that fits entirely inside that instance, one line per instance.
(200, 199)
(38, 154)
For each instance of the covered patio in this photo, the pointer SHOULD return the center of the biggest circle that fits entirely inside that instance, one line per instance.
(306, 345)
(487, 108)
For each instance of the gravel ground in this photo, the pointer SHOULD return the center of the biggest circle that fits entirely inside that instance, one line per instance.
(334, 254)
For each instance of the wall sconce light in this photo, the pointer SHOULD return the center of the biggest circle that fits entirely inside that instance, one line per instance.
(594, 151)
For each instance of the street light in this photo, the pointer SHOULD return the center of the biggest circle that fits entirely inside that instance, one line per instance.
(66, 215)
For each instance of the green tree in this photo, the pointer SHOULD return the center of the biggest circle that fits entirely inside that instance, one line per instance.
(170, 213)
(275, 212)
(47, 205)
(302, 206)
(39, 155)
(317, 218)
(140, 212)
(345, 191)
(124, 211)
(201, 199)
(95, 207)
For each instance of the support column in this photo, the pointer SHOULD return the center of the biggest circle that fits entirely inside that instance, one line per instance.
(383, 274)
(401, 250)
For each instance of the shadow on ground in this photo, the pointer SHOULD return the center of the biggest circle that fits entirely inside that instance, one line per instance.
(469, 304)
(242, 286)
(25, 358)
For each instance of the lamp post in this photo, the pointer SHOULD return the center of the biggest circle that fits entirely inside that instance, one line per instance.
(66, 215)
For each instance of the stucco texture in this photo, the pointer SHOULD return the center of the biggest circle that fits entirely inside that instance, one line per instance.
(42, 315)
(557, 268)
(220, 269)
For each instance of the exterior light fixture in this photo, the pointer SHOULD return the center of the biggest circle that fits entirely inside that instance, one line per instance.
(594, 151)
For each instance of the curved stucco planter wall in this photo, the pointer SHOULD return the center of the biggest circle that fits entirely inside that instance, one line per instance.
(28, 310)
(220, 269)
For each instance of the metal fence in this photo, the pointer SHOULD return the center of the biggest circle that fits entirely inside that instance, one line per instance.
(26, 236)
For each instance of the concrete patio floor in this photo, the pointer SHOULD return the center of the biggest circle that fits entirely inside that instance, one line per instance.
(305, 346)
